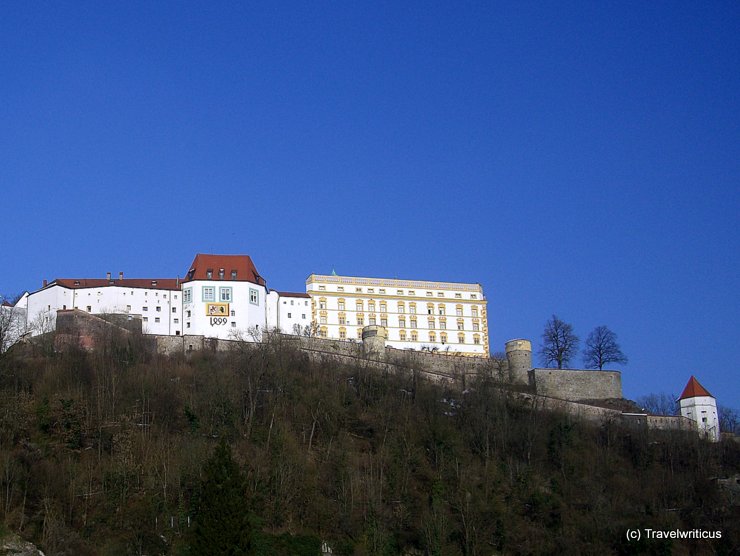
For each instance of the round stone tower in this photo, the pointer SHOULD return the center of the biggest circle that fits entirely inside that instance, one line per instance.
(373, 341)
(519, 357)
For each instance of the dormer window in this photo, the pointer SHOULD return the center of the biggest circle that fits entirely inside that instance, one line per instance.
(77, 282)
(209, 274)
(154, 282)
(233, 274)
(221, 273)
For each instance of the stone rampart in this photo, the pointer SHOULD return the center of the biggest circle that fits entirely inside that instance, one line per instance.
(572, 384)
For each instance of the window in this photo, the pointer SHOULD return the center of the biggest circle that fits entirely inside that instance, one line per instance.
(89, 309)
(458, 296)
(323, 331)
(174, 309)
(221, 273)
(322, 319)
(383, 307)
(188, 314)
(358, 290)
(233, 313)
(383, 321)
(474, 310)
(145, 319)
(360, 320)
(440, 294)
(401, 307)
(290, 316)
(476, 338)
(209, 273)
(431, 323)
(461, 338)
(432, 337)
(340, 304)
(224, 295)
(430, 308)
(187, 325)
(254, 297)
(458, 310)
(233, 274)
(342, 319)
(145, 308)
(209, 293)
(156, 319)
(402, 335)
(412, 292)
(342, 333)
(233, 324)
(414, 335)
(322, 303)
(187, 295)
(128, 308)
(340, 288)
(371, 306)
(159, 309)
(303, 316)
(441, 309)
(358, 306)
(429, 294)
(476, 327)
(371, 290)
(443, 323)
(322, 288)
(413, 322)
(381, 290)
(443, 337)
(473, 296)
(412, 308)
(372, 320)
(460, 324)
(402, 322)
(176, 321)
(292, 301)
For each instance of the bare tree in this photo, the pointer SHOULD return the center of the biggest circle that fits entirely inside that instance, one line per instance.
(602, 348)
(559, 343)
(659, 404)
(729, 419)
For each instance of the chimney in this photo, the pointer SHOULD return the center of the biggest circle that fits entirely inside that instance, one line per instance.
(45, 283)
(107, 276)
(120, 275)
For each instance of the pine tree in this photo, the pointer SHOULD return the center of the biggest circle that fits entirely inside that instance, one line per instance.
(221, 523)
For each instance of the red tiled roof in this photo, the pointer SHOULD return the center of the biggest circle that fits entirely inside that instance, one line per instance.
(293, 294)
(150, 283)
(241, 264)
(694, 390)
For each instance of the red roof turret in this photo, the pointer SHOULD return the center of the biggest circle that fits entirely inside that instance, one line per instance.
(694, 390)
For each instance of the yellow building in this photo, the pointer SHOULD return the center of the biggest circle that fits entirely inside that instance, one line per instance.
(441, 316)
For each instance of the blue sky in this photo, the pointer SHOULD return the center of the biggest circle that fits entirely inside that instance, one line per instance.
(577, 158)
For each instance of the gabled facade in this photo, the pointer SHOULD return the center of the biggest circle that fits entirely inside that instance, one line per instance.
(223, 296)
(700, 406)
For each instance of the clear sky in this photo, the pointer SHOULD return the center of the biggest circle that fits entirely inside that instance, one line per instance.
(577, 158)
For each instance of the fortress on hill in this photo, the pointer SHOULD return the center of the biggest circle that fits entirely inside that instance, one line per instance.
(439, 329)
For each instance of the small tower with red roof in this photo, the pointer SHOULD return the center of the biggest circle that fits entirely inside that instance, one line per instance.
(700, 406)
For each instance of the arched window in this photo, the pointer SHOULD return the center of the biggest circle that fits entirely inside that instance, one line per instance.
(402, 335)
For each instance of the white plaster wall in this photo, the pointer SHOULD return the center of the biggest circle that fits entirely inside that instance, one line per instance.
(244, 319)
(699, 408)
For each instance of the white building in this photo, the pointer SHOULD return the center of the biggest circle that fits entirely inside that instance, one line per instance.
(224, 296)
(446, 316)
(157, 300)
(700, 406)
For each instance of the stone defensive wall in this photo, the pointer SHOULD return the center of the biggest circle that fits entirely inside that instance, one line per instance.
(574, 384)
